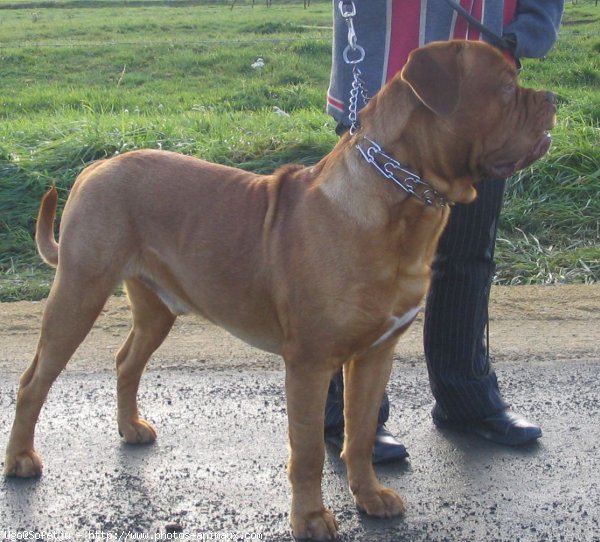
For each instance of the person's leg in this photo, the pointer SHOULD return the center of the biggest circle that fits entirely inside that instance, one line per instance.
(386, 449)
(463, 383)
(334, 409)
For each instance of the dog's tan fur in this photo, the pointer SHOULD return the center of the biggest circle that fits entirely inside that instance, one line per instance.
(315, 264)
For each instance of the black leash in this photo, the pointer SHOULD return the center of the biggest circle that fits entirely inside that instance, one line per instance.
(497, 41)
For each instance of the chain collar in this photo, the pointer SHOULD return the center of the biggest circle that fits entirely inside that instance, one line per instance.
(405, 179)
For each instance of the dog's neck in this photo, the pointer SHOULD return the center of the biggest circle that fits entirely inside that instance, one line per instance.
(418, 139)
(403, 178)
(413, 136)
(359, 190)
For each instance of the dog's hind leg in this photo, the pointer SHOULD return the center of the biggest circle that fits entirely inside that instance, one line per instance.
(152, 321)
(364, 384)
(70, 312)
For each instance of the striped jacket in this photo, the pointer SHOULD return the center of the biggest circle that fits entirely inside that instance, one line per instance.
(389, 30)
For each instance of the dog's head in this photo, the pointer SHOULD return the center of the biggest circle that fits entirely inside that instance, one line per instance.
(461, 116)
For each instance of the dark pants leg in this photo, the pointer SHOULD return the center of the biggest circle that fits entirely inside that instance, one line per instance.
(334, 408)
(462, 381)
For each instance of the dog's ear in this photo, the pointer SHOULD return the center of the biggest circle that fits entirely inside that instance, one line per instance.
(433, 74)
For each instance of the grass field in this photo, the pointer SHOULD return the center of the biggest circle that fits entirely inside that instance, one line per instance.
(82, 80)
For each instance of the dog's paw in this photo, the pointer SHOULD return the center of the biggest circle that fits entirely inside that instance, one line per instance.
(24, 465)
(381, 503)
(137, 432)
(320, 525)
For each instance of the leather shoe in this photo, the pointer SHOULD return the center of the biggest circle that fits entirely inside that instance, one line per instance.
(387, 449)
(504, 427)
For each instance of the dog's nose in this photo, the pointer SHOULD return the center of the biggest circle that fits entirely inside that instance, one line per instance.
(551, 98)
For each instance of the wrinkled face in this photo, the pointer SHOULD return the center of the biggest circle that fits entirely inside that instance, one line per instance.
(477, 110)
(510, 122)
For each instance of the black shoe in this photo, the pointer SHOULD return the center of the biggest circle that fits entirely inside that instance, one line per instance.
(505, 427)
(387, 449)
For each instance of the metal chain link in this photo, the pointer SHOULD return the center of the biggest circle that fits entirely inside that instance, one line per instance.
(353, 55)
(389, 167)
(358, 88)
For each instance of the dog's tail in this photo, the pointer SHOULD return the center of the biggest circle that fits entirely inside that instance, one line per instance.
(44, 228)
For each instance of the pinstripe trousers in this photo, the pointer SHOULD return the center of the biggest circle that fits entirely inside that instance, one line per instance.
(462, 380)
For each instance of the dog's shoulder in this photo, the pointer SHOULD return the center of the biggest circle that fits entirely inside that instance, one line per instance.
(288, 171)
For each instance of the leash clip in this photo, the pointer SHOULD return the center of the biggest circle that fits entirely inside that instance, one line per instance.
(348, 11)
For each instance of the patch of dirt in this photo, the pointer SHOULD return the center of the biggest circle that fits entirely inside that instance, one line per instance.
(527, 323)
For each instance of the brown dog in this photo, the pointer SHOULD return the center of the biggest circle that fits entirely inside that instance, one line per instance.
(323, 265)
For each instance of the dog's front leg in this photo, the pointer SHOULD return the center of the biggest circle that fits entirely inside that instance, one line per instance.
(364, 384)
(306, 386)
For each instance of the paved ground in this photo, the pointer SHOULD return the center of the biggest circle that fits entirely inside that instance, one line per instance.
(219, 464)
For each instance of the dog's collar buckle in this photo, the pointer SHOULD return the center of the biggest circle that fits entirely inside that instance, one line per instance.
(402, 177)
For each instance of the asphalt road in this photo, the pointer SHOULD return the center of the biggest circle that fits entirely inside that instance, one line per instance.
(218, 467)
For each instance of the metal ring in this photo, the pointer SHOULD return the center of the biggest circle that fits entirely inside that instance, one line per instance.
(349, 6)
(361, 54)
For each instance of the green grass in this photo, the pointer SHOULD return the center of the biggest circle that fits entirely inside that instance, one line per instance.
(550, 228)
(82, 80)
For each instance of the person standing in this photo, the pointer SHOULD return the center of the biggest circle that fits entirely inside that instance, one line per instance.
(463, 383)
